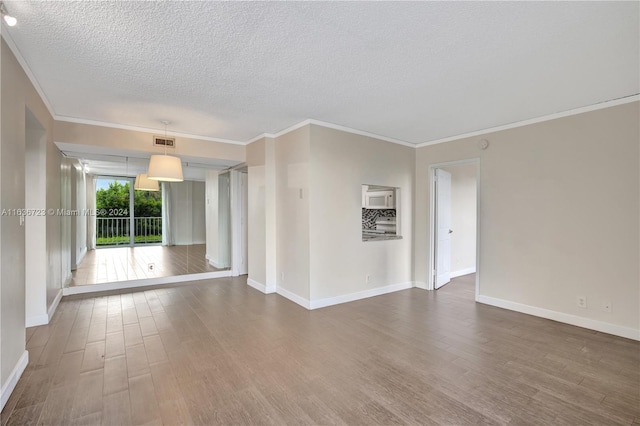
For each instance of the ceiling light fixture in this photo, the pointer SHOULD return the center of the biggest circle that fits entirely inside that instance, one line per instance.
(165, 168)
(143, 183)
(10, 20)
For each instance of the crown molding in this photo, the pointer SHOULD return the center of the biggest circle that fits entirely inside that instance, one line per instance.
(330, 126)
(6, 35)
(576, 111)
(145, 130)
(280, 133)
(361, 133)
(23, 63)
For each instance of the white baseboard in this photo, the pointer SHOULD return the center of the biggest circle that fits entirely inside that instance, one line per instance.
(216, 264)
(604, 327)
(321, 303)
(119, 285)
(261, 287)
(12, 380)
(45, 319)
(293, 297)
(421, 284)
(80, 257)
(36, 320)
(462, 272)
(54, 305)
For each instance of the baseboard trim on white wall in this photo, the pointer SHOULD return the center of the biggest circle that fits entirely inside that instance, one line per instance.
(293, 297)
(12, 380)
(54, 305)
(216, 264)
(421, 284)
(378, 291)
(45, 319)
(83, 252)
(119, 285)
(591, 324)
(36, 320)
(462, 272)
(260, 287)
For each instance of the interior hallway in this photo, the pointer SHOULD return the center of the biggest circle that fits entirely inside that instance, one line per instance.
(105, 265)
(219, 352)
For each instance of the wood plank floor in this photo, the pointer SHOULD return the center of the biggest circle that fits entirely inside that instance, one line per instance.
(220, 352)
(105, 265)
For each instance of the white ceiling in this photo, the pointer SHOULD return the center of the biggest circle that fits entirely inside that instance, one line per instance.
(415, 71)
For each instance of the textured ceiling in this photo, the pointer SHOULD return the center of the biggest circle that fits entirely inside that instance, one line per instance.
(415, 72)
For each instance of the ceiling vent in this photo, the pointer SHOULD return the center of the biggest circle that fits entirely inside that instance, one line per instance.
(164, 142)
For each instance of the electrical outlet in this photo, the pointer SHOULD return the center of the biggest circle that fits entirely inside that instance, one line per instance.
(282, 276)
(151, 267)
(367, 277)
(582, 302)
(606, 306)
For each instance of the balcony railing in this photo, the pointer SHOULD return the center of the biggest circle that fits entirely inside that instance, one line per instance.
(115, 231)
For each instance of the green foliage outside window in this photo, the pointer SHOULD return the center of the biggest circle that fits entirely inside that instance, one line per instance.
(116, 198)
(113, 203)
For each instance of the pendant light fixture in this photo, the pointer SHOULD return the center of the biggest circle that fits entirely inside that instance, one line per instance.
(143, 183)
(165, 168)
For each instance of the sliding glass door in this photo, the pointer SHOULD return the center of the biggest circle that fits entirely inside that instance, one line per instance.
(147, 218)
(125, 217)
(113, 212)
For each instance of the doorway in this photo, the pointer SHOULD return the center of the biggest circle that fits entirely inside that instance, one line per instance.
(454, 223)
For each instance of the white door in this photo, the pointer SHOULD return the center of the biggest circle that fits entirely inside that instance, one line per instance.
(443, 228)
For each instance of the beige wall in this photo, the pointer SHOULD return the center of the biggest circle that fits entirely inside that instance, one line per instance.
(559, 213)
(340, 163)
(86, 134)
(319, 253)
(17, 95)
(292, 211)
(463, 217)
(262, 214)
(256, 221)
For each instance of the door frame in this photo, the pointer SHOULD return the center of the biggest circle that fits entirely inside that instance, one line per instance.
(439, 174)
(432, 219)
